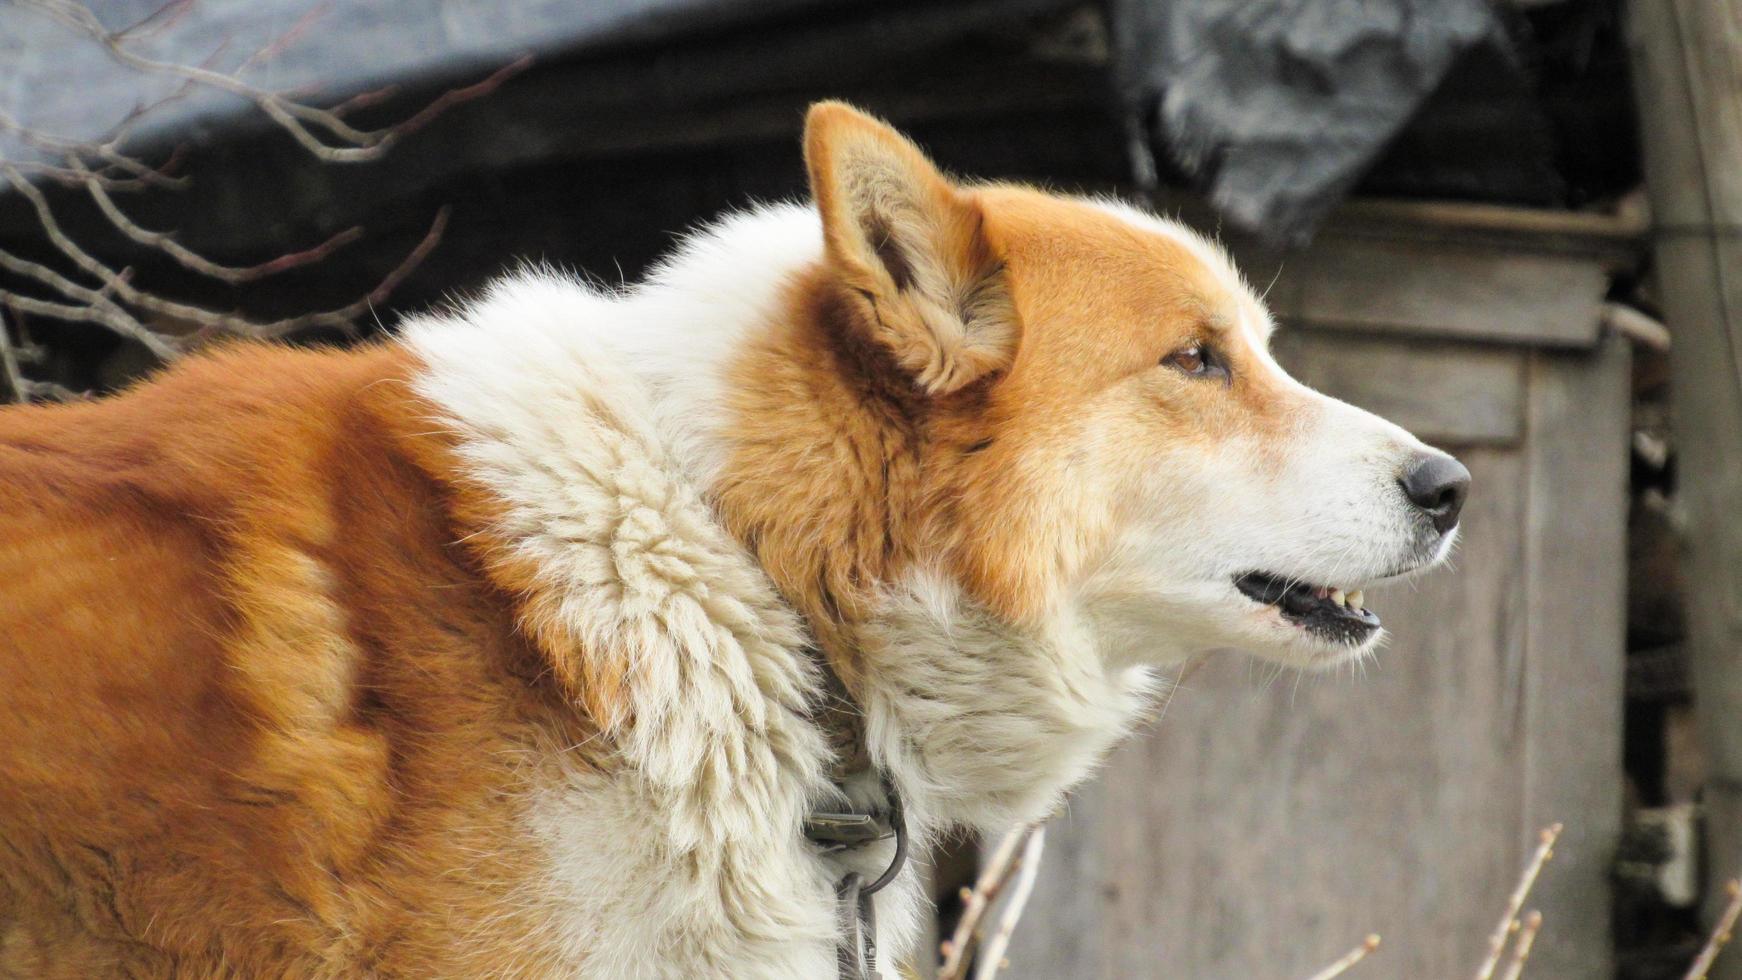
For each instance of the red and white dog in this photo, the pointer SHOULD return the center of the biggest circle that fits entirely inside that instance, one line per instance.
(524, 644)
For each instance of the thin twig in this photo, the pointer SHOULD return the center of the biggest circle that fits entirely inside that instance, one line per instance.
(288, 114)
(1521, 947)
(61, 146)
(211, 321)
(455, 96)
(1508, 922)
(278, 45)
(991, 958)
(10, 375)
(1720, 932)
(113, 282)
(97, 301)
(190, 259)
(158, 20)
(1349, 959)
(86, 314)
(975, 901)
(75, 179)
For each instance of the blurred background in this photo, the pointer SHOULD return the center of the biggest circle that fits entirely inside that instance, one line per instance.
(1509, 225)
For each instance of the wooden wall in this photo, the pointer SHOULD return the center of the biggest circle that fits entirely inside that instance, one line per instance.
(1267, 821)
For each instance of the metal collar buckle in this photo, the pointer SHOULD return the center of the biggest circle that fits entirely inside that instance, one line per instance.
(834, 832)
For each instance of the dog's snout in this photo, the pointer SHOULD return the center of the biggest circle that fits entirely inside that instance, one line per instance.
(1437, 484)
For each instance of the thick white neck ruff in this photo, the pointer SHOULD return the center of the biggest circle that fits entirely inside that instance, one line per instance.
(981, 725)
(599, 419)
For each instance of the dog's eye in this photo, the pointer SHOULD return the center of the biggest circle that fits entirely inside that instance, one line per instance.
(1197, 360)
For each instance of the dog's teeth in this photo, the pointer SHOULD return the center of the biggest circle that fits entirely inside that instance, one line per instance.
(1357, 599)
(1321, 592)
(1337, 596)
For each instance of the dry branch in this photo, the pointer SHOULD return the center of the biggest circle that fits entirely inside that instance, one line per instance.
(1509, 921)
(192, 260)
(1720, 932)
(958, 950)
(1521, 947)
(1348, 959)
(991, 958)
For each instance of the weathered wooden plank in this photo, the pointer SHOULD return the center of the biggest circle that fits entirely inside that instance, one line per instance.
(1574, 659)
(1466, 394)
(1435, 289)
(1612, 240)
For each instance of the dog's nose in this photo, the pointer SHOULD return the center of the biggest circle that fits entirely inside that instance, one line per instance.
(1437, 484)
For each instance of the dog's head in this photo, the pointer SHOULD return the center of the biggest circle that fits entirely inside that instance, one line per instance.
(1107, 434)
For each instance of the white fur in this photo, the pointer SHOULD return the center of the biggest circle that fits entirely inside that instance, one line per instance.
(598, 419)
(684, 859)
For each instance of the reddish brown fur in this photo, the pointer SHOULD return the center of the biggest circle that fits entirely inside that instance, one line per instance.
(249, 682)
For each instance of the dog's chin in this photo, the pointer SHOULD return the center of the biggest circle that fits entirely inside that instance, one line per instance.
(1272, 636)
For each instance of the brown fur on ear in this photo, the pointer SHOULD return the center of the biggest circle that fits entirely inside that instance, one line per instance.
(908, 246)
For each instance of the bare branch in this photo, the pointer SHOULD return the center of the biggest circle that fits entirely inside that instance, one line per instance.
(63, 147)
(49, 389)
(1348, 959)
(1521, 948)
(345, 317)
(976, 901)
(112, 280)
(84, 314)
(69, 177)
(1720, 933)
(98, 306)
(10, 375)
(276, 46)
(1509, 922)
(283, 111)
(210, 321)
(456, 96)
(190, 259)
(991, 958)
(364, 100)
(157, 21)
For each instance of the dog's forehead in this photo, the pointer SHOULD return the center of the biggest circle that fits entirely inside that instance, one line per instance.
(1212, 265)
(1144, 278)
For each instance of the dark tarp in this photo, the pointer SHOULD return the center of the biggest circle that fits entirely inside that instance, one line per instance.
(1275, 108)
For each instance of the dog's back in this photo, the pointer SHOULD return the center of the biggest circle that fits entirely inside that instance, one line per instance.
(246, 682)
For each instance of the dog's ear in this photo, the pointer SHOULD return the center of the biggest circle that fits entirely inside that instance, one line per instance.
(910, 246)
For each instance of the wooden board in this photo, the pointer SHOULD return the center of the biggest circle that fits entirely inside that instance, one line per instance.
(1468, 394)
(1270, 820)
(1574, 660)
(1433, 289)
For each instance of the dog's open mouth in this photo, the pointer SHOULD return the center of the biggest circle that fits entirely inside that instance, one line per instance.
(1331, 613)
